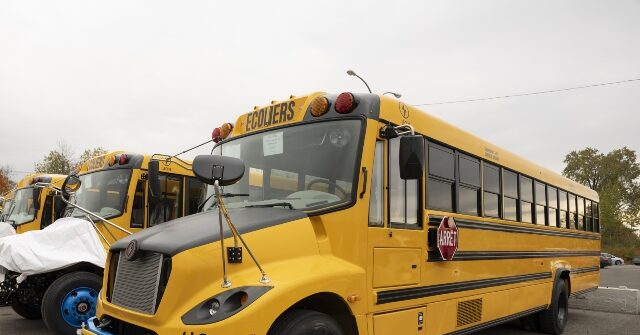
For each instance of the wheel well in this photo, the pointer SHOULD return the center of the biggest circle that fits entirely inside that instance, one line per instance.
(84, 266)
(333, 305)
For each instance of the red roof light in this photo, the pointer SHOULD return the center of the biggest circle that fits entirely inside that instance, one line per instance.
(345, 103)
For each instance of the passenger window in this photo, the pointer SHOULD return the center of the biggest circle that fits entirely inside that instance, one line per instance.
(137, 211)
(510, 184)
(47, 212)
(541, 204)
(526, 199)
(403, 194)
(589, 216)
(170, 205)
(441, 180)
(580, 218)
(469, 190)
(195, 194)
(375, 202)
(491, 182)
(562, 206)
(552, 200)
(572, 212)
(596, 217)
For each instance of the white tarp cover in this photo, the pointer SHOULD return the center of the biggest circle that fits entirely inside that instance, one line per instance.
(66, 242)
(6, 229)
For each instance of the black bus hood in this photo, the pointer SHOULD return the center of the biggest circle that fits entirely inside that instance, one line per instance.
(173, 237)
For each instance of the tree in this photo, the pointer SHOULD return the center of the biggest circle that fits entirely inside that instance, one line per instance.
(57, 161)
(5, 183)
(90, 153)
(615, 176)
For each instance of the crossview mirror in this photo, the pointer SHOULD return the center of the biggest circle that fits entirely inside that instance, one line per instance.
(154, 179)
(71, 185)
(225, 170)
(411, 156)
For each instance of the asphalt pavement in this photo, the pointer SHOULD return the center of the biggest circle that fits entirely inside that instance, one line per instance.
(581, 322)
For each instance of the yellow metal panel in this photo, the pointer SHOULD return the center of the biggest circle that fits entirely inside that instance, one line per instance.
(396, 266)
(407, 322)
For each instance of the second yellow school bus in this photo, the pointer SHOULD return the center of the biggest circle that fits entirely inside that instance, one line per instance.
(356, 226)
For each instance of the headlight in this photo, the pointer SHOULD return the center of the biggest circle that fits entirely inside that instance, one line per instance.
(224, 305)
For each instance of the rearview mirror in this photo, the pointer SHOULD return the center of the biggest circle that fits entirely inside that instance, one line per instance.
(71, 185)
(225, 170)
(154, 179)
(411, 156)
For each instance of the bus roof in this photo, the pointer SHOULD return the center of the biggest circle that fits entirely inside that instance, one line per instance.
(112, 160)
(30, 179)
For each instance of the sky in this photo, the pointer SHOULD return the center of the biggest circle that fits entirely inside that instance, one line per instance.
(158, 76)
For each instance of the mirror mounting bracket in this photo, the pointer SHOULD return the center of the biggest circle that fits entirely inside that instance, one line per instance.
(388, 132)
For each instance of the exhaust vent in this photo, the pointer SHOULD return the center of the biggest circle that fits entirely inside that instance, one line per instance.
(469, 312)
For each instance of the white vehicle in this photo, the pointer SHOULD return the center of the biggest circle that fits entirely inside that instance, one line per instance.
(615, 260)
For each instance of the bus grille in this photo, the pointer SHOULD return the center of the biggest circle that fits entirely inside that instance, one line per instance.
(137, 281)
(469, 312)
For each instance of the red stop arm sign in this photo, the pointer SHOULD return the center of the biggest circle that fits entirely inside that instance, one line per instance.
(447, 238)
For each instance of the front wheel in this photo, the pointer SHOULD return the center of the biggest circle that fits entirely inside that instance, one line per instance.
(553, 319)
(618, 263)
(70, 301)
(30, 312)
(305, 322)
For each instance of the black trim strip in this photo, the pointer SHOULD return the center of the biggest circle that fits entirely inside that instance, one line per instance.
(434, 221)
(585, 270)
(497, 321)
(573, 294)
(385, 297)
(434, 255)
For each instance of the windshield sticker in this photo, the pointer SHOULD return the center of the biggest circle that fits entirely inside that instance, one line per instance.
(231, 150)
(272, 144)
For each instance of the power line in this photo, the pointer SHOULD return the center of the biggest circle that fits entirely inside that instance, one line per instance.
(530, 93)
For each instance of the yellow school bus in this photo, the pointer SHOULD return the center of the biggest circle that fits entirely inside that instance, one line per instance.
(118, 193)
(357, 214)
(31, 208)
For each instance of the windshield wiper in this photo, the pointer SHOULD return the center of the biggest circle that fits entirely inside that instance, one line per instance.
(224, 195)
(275, 204)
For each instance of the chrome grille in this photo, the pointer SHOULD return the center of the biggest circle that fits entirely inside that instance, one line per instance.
(136, 283)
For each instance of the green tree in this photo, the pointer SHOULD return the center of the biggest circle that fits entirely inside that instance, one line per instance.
(5, 183)
(616, 178)
(90, 153)
(58, 161)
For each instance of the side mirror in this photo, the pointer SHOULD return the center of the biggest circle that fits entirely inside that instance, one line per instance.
(225, 170)
(411, 156)
(155, 191)
(71, 185)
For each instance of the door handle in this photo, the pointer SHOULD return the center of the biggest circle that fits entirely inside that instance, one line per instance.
(364, 182)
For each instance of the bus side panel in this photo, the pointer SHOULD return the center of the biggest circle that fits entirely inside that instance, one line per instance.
(584, 282)
(409, 322)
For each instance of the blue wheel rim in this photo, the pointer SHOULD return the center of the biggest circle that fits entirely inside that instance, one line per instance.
(78, 306)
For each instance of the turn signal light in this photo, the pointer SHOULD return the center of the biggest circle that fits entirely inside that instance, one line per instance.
(112, 160)
(319, 106)
(225, 130)
(345, 103)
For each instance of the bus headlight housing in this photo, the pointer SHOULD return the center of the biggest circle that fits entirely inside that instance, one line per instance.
(224, 305)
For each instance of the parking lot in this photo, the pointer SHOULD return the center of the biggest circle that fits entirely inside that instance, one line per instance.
(580, 323)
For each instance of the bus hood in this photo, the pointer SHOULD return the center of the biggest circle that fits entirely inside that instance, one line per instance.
(192, 231)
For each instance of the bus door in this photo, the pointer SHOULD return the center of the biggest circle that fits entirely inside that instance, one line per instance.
(397, 239)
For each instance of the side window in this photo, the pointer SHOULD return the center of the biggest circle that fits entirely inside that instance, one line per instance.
(572, 212)
(510, 184)
(170, 205)
(441, 180)
(562, 206)
(552, 197)
(469, 187)
(403, 194)
(194, 195)
(491, 182)
(596, 217)
(137, 210)
(589, 216)
(541, 204)
(375, 202)
(526, 199)
(580, 222)
(47, 212)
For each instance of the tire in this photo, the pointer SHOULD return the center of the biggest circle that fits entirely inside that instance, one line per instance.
(70, 301)
(618, 263)
(305, 322)
(554, 319)
(26, 311)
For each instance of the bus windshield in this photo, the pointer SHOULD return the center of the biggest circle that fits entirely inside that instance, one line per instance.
(23, 210)
(307, 167)
(102, 192)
